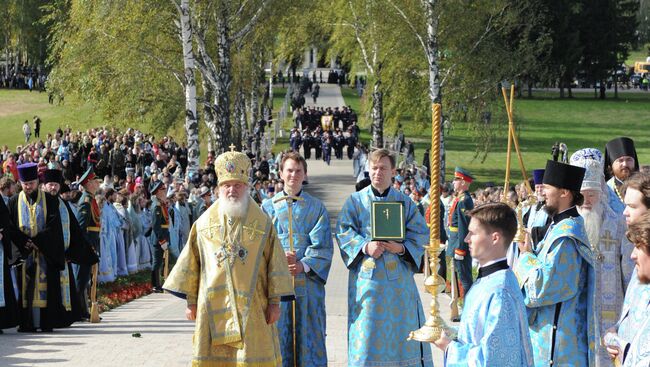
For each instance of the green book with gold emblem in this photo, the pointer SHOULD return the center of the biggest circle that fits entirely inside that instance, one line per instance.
(388, 223)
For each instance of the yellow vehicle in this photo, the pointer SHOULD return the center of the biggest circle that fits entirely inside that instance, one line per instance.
(641, 67)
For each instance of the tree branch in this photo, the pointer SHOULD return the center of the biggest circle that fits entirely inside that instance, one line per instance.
(153, 56)
(357, 35)
(204, 62)
(410, 25)
(488, 28)
(239, 36)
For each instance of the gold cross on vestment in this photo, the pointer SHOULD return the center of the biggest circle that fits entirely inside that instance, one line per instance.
(608, 241)
(253, 231)
(210, 228)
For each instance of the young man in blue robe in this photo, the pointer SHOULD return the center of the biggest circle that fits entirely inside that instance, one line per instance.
(636, 306)
(493, 330)
(635, 352)
(309, 263)
(558, 277)
(383, 301)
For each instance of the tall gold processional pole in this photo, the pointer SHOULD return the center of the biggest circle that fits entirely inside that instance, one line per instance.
(433, 327)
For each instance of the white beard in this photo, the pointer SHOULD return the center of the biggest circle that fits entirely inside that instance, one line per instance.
(233, 208)
(593, 221)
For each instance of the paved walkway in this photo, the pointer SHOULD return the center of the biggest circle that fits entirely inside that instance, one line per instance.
(328, 96)
(166, 337)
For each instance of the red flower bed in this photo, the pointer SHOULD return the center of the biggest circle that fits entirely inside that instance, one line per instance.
(121, 291)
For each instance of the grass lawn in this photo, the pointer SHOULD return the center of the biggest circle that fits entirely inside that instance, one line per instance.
(579, 122)
(637, 55)
(18, 106)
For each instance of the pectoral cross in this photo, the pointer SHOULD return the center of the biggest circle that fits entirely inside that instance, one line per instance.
(608, 241)
(253, 231)
(387, 212)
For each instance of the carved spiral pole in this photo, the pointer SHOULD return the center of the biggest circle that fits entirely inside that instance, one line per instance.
(434, 325)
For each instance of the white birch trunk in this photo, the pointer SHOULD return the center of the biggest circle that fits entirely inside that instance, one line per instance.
(434, 74)
(191, 118)
(224, 78)
(208, 114)
(377, 115)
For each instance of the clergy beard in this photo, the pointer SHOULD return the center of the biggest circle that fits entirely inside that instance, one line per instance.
(233, 208)
(551, 211)
(593, 220)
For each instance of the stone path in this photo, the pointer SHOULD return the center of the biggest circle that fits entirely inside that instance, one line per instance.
(166, 337)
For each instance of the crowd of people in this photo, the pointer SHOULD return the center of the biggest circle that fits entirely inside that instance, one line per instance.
(323, 130)
(17, 77)
(121, 189)
(563, 260)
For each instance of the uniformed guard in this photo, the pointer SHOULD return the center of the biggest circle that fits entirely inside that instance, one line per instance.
(458, 228)
(88, 217)
(160, 231)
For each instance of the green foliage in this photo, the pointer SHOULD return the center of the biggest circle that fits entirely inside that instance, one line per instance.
(21, 32)
(122, 57)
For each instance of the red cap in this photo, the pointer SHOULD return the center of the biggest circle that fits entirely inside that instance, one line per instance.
(463, 177)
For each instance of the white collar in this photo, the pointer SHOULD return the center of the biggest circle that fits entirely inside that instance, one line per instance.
(492, 262)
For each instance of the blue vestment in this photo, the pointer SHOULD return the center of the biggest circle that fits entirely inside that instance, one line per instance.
(558, 283)
(635, 312)
(493, 330)
(108, 253)
(383, 301)
(174, 227)
(183, 211)
(121, 226)
(615, 201)
(313, 245)
(638, 354)
(144, 240)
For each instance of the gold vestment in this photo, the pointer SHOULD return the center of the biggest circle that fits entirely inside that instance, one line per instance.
(232, 270)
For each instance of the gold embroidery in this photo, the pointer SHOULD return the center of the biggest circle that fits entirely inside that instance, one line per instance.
(253, 231)
(209, 230)
(391, 266)
(368, 264)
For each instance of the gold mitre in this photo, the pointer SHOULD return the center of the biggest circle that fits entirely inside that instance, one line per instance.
(231, 166)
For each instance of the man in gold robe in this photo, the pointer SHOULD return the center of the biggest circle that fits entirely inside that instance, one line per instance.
(233, 273)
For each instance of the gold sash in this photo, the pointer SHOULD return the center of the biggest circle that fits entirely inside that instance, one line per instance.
(31, 229)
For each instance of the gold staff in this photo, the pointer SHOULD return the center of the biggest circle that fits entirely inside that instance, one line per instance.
(94, 309)
(433, 327)
(290, 199)
(166, 257)
(512, 139)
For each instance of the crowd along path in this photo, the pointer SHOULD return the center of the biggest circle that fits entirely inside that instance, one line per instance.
(152, 331)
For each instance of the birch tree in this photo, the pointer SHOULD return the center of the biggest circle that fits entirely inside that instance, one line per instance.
(233, 23)
(189, 83)
(360, 34)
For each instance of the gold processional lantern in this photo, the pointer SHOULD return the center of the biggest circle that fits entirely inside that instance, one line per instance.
(434, 326)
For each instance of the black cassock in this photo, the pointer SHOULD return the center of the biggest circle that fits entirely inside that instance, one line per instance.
(8, 313)
(50, 244)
